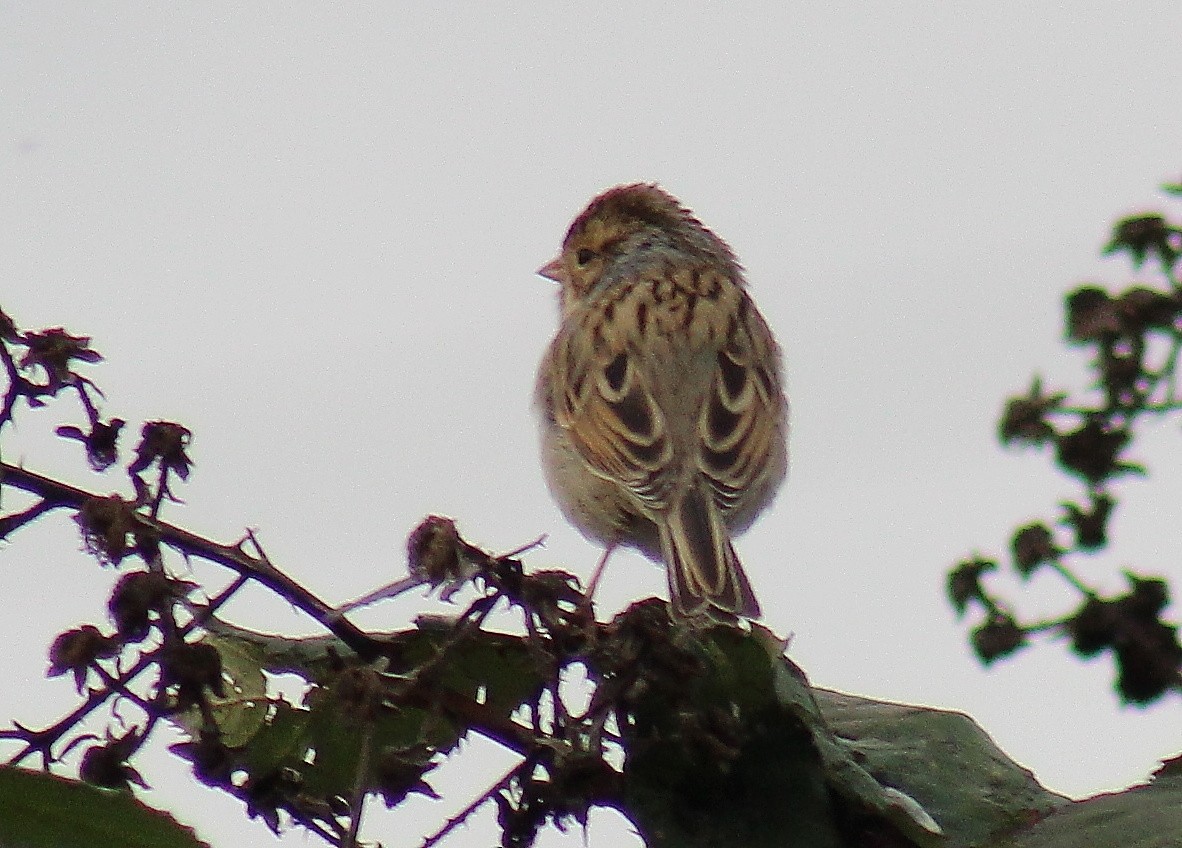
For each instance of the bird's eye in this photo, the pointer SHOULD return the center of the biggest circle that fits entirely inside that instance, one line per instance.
(584, 255)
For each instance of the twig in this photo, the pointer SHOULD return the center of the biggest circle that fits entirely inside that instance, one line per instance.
(230, 556)
(528, 546)
(44, 740)
(17, 520)
(360, 783)
(464, 814)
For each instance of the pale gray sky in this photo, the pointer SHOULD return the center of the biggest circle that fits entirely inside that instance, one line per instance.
(310, 235)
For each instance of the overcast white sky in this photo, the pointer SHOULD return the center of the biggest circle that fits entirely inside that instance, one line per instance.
(311, 236)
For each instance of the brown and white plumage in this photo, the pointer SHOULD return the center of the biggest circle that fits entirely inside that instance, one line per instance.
(663, 416)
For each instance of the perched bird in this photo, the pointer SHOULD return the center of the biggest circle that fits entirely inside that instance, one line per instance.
(663, 419)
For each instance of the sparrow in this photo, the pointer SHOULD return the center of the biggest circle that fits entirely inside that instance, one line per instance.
(663, 418)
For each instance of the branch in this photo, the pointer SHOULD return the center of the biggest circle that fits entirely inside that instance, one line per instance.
(57, 494)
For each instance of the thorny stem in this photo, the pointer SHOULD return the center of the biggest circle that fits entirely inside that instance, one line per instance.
(161, 491)
(230, 556)
(117, 686)
(18, 386)
(464, 814)
(17, 520)
(44, 740)
(92, 413)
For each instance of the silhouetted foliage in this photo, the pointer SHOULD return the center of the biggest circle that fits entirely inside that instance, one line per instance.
(1134, 339)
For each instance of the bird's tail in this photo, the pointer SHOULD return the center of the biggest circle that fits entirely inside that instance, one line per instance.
(705, 576)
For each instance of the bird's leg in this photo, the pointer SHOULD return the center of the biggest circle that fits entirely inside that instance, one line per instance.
(593, 583)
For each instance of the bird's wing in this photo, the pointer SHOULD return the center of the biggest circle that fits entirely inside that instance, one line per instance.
(605, 403)
(740, 424)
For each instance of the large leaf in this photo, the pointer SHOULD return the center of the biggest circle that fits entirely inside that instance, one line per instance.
(1142, 817)
(738, 753)
(943, 760)
(39, 810)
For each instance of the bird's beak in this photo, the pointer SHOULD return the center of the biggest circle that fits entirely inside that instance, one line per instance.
(552, 270)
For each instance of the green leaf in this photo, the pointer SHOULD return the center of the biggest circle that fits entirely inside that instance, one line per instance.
(39, 810)
(279, 742)
(726, 755)
(305, 756)
(1145, 816)
(785, 779)
(944, 760)
(243, 710)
